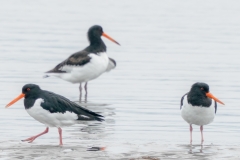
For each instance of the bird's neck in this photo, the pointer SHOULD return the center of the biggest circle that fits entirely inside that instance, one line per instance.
(96, 46)
(29, 100)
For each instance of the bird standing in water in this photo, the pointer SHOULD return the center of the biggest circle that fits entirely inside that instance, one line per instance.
(52, 109)
(87, 64)
(199, 107)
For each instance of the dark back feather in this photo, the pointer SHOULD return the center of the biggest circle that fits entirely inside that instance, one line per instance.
(55, 103)
(78, 59)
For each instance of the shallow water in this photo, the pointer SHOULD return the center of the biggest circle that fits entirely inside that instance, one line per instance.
(166, 46)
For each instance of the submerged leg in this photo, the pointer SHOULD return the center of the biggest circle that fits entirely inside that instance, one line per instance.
(201, 129)
(60, 136)
(86, 92)
(85, 87)
(31, 139)
(80, 90)
(191, 129)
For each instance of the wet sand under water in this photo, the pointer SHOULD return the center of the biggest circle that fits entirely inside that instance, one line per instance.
(79, 138)
(95, 134)
(150, 151)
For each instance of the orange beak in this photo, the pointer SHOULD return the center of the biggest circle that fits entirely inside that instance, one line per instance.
(213, 97)
(108, 37)
(15, 100)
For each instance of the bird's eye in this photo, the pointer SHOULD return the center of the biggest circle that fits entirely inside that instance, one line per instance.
(28, 89)
(202, 89)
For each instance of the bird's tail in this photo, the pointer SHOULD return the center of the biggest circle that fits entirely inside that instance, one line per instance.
(46, 75)
(100, 118)
(91, 116)
(97, 116)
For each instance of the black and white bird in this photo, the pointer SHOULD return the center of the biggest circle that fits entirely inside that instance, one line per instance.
(52, 109)
(199, 107)
(88, 64)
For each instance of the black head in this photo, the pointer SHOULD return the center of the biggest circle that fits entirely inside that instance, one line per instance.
(94, 34)
(96, 29)
(199, 95)
(199, 87)
(30, 89)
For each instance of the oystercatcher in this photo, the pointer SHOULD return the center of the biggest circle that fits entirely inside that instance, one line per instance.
(52, 109)
(87, 64)
(199, 107)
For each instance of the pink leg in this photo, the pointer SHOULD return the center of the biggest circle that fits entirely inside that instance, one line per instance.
(80, 90)
(31, 139)
(86, 92)
(86, 87)
(201, 129)
(60, 136)
(191, 129)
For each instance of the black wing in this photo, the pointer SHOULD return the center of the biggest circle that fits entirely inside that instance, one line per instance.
(215, 106)
(113, 61)
(181, 103)
(55, 103)
(111, 65)
(78, 59)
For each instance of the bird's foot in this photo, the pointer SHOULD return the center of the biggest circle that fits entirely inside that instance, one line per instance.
(30, 140)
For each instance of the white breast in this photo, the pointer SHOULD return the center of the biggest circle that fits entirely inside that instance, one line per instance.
(93, 69)
(51, 119)
(197, 115)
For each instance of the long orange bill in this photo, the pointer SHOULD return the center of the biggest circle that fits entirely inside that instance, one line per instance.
(210, 95)
(15, 100)
(108, 37)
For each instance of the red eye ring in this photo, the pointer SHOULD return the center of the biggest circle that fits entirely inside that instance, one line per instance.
(28, 89)
(201, 88)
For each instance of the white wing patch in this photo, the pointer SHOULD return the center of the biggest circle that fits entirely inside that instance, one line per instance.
(84, 116)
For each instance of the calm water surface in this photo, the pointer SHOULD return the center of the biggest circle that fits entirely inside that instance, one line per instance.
(166, 46)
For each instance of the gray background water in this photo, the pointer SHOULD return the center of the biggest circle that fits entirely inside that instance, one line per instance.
(166, 46)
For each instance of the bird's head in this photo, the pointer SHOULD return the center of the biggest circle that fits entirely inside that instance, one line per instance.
(27, 90)
(95, 32)
(203, 89)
